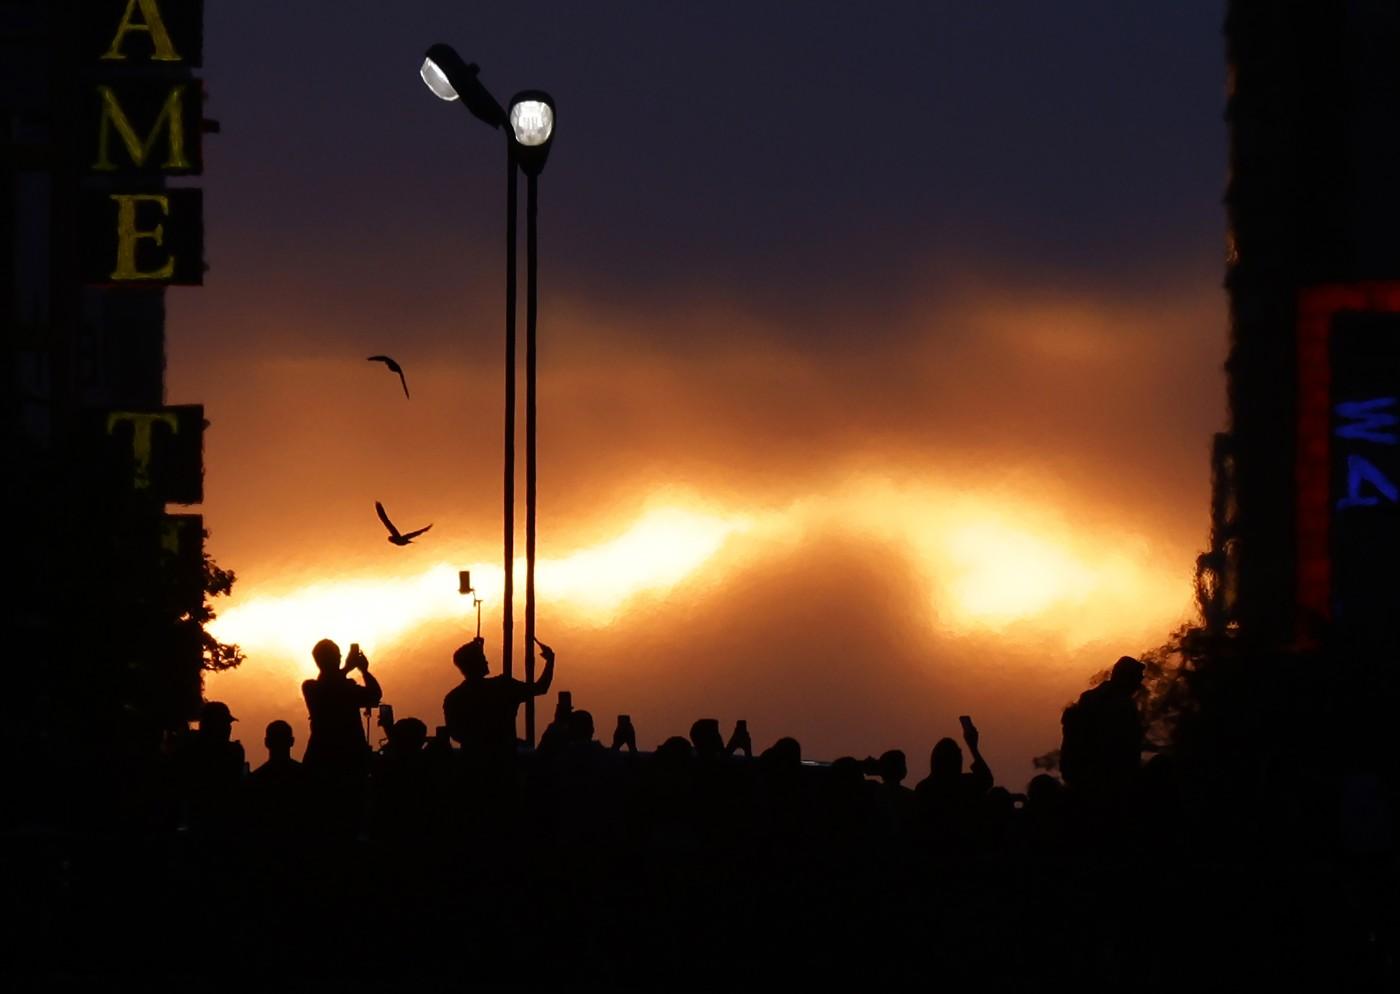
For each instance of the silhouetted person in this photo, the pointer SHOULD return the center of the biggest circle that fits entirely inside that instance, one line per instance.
(948, 797)
(277, 789)
(407, 739)
(582, 731)
(480, 711)
(783, 755)
(1102, 743)
(674, 753)
(556, 733)
(1044, 798)
(280, 766)
(892, 768)
(337, 747)
(706, 738)
(211, 768)
(896, 800)
(404, 775)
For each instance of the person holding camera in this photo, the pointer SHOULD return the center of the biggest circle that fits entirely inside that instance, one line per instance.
(337, 745)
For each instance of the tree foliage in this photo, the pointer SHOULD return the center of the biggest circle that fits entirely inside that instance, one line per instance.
(218, 582)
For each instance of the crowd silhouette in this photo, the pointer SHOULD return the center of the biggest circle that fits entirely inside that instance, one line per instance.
(694, 863)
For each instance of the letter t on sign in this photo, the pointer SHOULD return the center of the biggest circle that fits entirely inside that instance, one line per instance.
(141, 439)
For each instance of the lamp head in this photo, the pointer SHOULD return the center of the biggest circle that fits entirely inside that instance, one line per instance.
(532, 121)
(450, 78)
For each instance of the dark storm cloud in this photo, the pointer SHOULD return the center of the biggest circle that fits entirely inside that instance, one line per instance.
(794, 157)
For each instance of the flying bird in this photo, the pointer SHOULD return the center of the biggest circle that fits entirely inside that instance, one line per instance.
(394, 536)
(394, 367)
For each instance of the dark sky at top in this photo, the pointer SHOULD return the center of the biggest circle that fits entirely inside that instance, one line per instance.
(790, 157)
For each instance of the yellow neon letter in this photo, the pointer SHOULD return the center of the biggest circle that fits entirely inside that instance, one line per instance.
(171, 116)
(152, 23)
(170, 536)
(128, 235)
(141, 439)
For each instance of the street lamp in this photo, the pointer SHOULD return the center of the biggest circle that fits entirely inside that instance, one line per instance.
(449, 78)
(529, 135)
(532, 132)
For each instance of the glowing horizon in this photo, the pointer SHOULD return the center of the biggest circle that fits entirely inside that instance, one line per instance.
(986, 567)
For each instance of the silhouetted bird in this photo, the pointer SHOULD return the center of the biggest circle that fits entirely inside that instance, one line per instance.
(394, 367)
(394, 536)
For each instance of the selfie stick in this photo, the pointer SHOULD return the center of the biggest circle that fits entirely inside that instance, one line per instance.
(464, 586)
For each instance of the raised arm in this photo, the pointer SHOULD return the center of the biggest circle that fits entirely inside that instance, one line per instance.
(980, 770)
(541, 685)
(371, 692)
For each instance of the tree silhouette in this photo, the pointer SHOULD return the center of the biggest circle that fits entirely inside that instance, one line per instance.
(218, 582)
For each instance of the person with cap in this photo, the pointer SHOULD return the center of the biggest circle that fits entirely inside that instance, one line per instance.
(1102, 743)
(210, 767)
(480, 712)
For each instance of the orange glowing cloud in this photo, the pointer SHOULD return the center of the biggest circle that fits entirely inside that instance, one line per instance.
(984, 567)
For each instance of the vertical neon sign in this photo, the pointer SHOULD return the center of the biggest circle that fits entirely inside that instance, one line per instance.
(1348, 454)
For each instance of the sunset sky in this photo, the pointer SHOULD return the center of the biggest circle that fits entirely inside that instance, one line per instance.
(880, 350)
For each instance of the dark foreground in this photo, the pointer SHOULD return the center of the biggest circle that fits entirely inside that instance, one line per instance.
(594, 868)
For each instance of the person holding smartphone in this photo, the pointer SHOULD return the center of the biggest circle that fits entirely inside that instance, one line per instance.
(337, 744)
(480, 712)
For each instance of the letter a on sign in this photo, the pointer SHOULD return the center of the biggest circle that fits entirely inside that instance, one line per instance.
(152, 24)
(136, 32)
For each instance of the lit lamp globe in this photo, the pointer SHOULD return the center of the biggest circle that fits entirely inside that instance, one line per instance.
(532, 126)
(450, 78)
(437, 80)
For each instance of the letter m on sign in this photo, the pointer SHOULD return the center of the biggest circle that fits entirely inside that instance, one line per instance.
(1368, 421)
(145, 126)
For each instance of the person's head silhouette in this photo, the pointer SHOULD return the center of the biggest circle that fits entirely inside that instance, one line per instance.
(706, 737)
(785, 754)
(216, 721)
(946, 760)
(1042, 793)
(1127, 675)
(279, 739)
(893, 767)
(470, 658)
(408, 736)
(327, 656)
(672, 754)
(581, 726)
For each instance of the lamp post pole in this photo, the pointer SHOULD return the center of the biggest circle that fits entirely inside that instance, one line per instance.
(508, 481)
(531, 314)
(532, 123)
